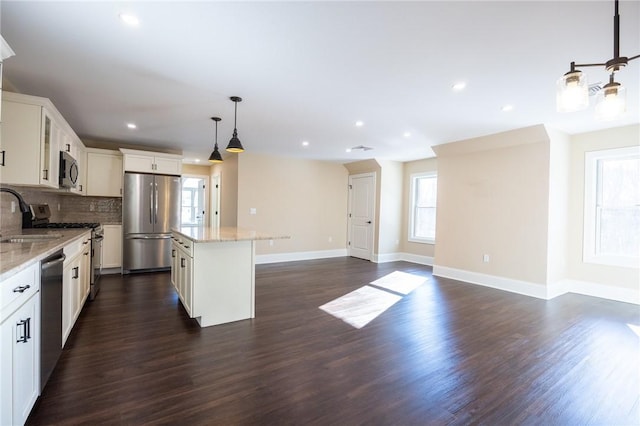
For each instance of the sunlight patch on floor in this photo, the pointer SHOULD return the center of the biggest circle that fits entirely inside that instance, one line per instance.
(363, 305)
(400, 282)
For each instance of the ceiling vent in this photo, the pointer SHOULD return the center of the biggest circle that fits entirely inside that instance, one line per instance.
(595, 88)
(362, 147)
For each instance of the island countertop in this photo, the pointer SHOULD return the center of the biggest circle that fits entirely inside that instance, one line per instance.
(208, 234)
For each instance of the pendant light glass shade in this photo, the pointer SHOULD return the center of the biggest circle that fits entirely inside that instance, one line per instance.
(215, 156)
(611, 102)
(234, 144)
(572, 92)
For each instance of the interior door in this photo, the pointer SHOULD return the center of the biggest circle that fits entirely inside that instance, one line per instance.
(361, 215)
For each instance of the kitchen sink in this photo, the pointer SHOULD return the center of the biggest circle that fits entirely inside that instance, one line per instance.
(29, 238)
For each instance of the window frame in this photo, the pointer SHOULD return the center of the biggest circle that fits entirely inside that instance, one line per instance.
(591, 223)
(412, 209)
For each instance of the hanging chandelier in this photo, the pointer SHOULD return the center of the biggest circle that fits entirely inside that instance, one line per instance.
(573, 89)
(215, 155)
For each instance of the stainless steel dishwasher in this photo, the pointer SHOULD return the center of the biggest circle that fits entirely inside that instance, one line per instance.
(51, 270)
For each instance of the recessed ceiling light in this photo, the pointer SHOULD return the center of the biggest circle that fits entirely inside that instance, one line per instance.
(305, 143)
(406, 134)
(197, 160)
(129, 19)
(507, 108)
(459, 86)
(359, 123)
(132, 126)
(347, 150)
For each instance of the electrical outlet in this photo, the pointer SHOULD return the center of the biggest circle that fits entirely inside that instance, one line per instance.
(485, 258)
(330, 239)
(13, 207)
(271, 243)
(252, 210)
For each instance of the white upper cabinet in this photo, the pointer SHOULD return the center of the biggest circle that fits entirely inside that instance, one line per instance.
(32, 136)
(104, 173)
(151, 162)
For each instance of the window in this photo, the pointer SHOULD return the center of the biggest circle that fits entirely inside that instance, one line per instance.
(612, 207)
(422, 223)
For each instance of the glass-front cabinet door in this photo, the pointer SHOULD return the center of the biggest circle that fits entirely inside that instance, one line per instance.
(49, 153)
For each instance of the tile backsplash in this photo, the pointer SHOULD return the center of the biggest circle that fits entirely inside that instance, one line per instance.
(64, 208)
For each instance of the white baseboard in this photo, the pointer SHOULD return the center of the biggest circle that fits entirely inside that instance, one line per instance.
(406, 257)
(587, 288)
(501, 283)
(415, 258)
(540, 291)
(302, 255)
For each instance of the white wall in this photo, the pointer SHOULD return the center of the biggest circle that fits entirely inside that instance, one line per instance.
(493, 199)
(305, 199)
(610, 276)
(390, 223)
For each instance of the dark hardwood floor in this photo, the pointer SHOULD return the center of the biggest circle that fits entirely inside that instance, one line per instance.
(448, 353)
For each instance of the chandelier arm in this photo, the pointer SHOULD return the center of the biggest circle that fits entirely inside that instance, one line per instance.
(589, 65)
(633, 57)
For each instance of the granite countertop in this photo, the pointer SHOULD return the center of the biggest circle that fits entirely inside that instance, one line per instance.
(15, 257)
(201, 234)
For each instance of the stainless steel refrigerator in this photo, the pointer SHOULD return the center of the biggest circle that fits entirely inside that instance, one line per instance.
(150, 208)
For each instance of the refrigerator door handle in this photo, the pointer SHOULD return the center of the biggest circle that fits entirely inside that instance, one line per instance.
(148, 237)
(155, 217)
(151, 204)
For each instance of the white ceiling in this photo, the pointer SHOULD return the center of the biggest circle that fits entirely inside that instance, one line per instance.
(307, 71)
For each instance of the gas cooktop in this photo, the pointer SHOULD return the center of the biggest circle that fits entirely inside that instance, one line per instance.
(91, 225)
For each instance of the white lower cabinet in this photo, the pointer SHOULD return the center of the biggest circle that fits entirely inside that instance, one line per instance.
(75, 282)
(20, 347)
(112, 246)
(182, 272)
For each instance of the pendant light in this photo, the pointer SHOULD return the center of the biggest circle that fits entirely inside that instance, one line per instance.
(215, 155)
(573, 90)
(234, 143)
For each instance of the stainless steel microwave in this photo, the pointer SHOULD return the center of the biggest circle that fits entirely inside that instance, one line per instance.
(68, 171)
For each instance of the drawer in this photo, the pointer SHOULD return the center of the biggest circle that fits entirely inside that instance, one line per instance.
(184, 244)
(18, 289)
(73, 249)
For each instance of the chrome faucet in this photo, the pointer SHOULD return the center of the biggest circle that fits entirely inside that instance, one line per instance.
(27, 216)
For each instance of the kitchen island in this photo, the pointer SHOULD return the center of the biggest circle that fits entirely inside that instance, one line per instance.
(213, 271)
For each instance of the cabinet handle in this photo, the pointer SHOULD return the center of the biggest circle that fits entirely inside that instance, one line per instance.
(86, 253)
(26, 330)
(21, 289)
(68, 147)
(3, 154)
(45, 172)
(80, 187)
(76, 273)
(173, 252)
(182, 262)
